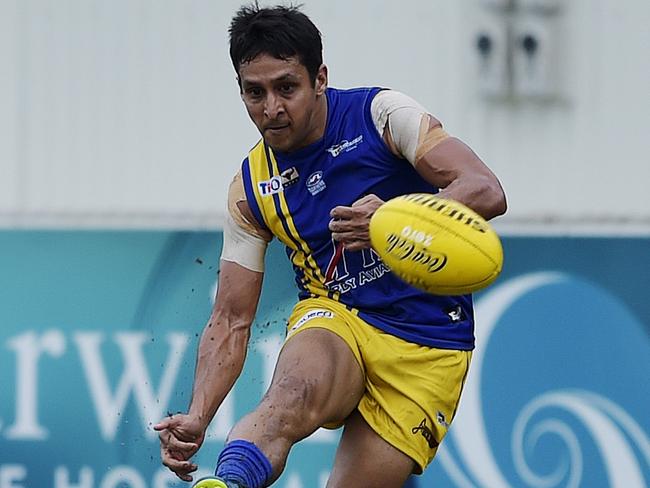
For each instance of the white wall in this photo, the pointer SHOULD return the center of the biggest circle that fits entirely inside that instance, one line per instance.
(126, 113)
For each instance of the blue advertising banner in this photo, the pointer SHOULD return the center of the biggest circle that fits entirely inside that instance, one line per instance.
(98, 333)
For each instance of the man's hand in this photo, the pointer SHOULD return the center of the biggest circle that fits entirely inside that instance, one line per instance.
(350, 225)
(180, 437)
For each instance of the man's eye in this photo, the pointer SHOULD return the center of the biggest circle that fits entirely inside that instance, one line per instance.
(287, 88)
(254, 92)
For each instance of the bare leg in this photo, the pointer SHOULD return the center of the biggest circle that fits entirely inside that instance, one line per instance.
(365, 459)
(317, 380)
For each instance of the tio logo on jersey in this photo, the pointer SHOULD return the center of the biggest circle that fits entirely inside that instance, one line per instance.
(270, 187)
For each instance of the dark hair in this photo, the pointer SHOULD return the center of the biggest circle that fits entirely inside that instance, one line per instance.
(280, 31)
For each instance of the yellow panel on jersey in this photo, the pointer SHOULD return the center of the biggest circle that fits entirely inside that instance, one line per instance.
(258, 171)
(266, 181)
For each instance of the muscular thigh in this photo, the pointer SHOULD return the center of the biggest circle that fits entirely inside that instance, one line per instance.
(319, 372)
(318, 375)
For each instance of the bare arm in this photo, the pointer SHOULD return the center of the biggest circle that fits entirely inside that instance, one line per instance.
(223, 345)
(221, 355)
(452, 166)
(222, 349)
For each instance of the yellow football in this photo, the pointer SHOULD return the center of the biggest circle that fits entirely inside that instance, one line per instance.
(438, 245)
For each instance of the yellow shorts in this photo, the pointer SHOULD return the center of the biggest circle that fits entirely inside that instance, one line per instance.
(412, 391)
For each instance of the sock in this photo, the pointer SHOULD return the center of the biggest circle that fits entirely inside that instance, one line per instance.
(242, 462)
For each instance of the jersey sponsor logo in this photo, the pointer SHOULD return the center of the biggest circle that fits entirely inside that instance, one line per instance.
(289, 177)
(442, 420)
(312, 314)
(345, 146)
(426, 432)
(455, 314)
(315, 183)
(270, 187)
(337, 276)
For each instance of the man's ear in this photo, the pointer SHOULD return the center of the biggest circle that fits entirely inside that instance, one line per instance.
(321, 80)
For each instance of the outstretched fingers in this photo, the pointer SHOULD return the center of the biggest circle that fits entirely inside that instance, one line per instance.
(177, 444)
(186, 449)
(180, 467)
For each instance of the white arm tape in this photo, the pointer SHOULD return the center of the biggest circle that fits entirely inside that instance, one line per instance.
(404, 115)
(241, 247)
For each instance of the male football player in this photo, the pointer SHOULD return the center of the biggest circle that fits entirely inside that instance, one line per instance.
(363, 348)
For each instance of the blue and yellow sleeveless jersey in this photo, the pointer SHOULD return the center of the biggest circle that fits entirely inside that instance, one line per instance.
(292, 194)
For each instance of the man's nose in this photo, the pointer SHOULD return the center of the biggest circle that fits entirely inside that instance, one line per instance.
(273, 106)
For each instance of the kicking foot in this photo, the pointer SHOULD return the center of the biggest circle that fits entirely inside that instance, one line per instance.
(212, 482)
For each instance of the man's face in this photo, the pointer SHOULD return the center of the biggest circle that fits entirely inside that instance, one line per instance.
(289, 111)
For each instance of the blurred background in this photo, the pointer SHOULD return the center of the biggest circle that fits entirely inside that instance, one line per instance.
(120, 129)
